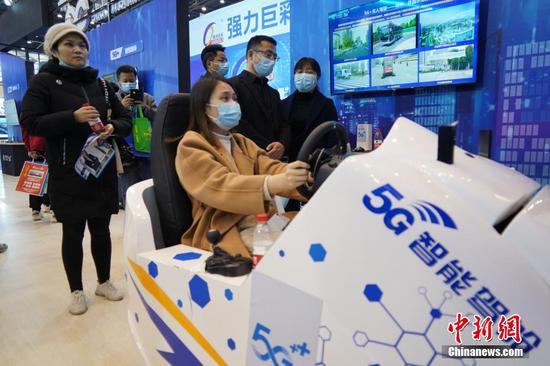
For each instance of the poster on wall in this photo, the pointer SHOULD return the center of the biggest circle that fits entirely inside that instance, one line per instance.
(233, 26)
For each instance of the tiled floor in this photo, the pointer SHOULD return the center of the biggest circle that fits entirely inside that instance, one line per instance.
(35, 327)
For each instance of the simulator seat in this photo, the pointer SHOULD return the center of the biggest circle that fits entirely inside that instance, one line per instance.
(168, 209)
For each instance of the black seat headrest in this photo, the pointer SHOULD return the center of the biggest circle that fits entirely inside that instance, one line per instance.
(171, 122)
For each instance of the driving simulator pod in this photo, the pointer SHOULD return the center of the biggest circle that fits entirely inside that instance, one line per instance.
(391, 246)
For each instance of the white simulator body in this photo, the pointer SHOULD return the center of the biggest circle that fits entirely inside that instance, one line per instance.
(343, 285)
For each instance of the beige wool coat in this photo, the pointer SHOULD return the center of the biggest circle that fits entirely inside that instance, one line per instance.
(224, 190)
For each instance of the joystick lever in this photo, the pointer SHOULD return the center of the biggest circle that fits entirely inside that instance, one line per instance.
(223, 263)
(213, 237)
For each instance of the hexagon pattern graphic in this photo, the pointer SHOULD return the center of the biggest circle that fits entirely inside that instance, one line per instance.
(415, 349)
(153, 269)
(360, 339)
(436, 313)
(317, 252)
(228, 294)
(189, 256)
(199, 291)
(373, 293)
(325, 334)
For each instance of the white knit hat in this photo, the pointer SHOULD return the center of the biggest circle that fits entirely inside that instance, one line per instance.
(58, 31)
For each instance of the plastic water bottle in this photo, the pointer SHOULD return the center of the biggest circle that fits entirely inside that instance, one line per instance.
(262, 239)
(95, 124)
(378, 138)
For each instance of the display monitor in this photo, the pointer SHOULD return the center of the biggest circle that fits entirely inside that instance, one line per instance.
(403, 44)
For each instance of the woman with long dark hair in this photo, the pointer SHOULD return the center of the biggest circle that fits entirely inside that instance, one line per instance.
(59, 102)
(228, 178)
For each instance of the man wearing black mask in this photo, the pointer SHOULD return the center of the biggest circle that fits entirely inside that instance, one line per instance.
(262, 119)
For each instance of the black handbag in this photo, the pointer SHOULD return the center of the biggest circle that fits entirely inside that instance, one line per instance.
(126, 155)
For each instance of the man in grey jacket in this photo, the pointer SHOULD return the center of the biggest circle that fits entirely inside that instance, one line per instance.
(127, 80)
(139, 168)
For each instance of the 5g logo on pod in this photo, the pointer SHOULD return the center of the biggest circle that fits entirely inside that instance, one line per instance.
(398, 219)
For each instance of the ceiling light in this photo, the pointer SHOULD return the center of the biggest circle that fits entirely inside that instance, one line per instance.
(59, 15)
(29, 42)
(22, 49)
(203, 8)
(8, 2)
(222, 1)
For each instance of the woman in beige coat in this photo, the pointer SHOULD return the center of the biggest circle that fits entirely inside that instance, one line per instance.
(228, 178)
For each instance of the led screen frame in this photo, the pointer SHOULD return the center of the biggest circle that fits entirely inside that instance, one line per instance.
(398, 44)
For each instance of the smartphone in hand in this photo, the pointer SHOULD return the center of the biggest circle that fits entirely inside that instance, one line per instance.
(136, 94)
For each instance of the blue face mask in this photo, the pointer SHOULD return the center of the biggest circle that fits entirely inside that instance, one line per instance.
(125, 87)
(264, 67)
(229, 115)
(305, 82)
(61, 63)
(223, 68)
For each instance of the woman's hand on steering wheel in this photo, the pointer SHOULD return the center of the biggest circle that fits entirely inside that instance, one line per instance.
(320, 158)
(296, 174)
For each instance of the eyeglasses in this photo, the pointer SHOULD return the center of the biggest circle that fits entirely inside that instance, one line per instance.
(269, 55)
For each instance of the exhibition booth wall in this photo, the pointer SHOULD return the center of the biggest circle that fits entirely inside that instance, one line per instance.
(15, 75)
(509, 97)
(145, 37)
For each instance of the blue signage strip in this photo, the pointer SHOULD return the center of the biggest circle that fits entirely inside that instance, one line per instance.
(126, 50)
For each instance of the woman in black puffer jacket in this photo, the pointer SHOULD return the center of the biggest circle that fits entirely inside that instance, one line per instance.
(53, 108)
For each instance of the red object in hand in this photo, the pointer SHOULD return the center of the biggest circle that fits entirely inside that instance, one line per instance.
(96, 125)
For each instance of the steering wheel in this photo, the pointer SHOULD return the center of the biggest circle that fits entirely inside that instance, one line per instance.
(322, 161)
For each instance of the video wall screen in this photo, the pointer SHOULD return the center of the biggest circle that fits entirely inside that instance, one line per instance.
(403, 44)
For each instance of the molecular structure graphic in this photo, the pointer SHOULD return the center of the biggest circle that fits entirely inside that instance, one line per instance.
(413, 347)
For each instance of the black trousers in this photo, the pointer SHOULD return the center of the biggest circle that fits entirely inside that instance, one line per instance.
(71, 248)
(35, 202)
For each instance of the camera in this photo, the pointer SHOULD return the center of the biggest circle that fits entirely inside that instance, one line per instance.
(136, 94)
